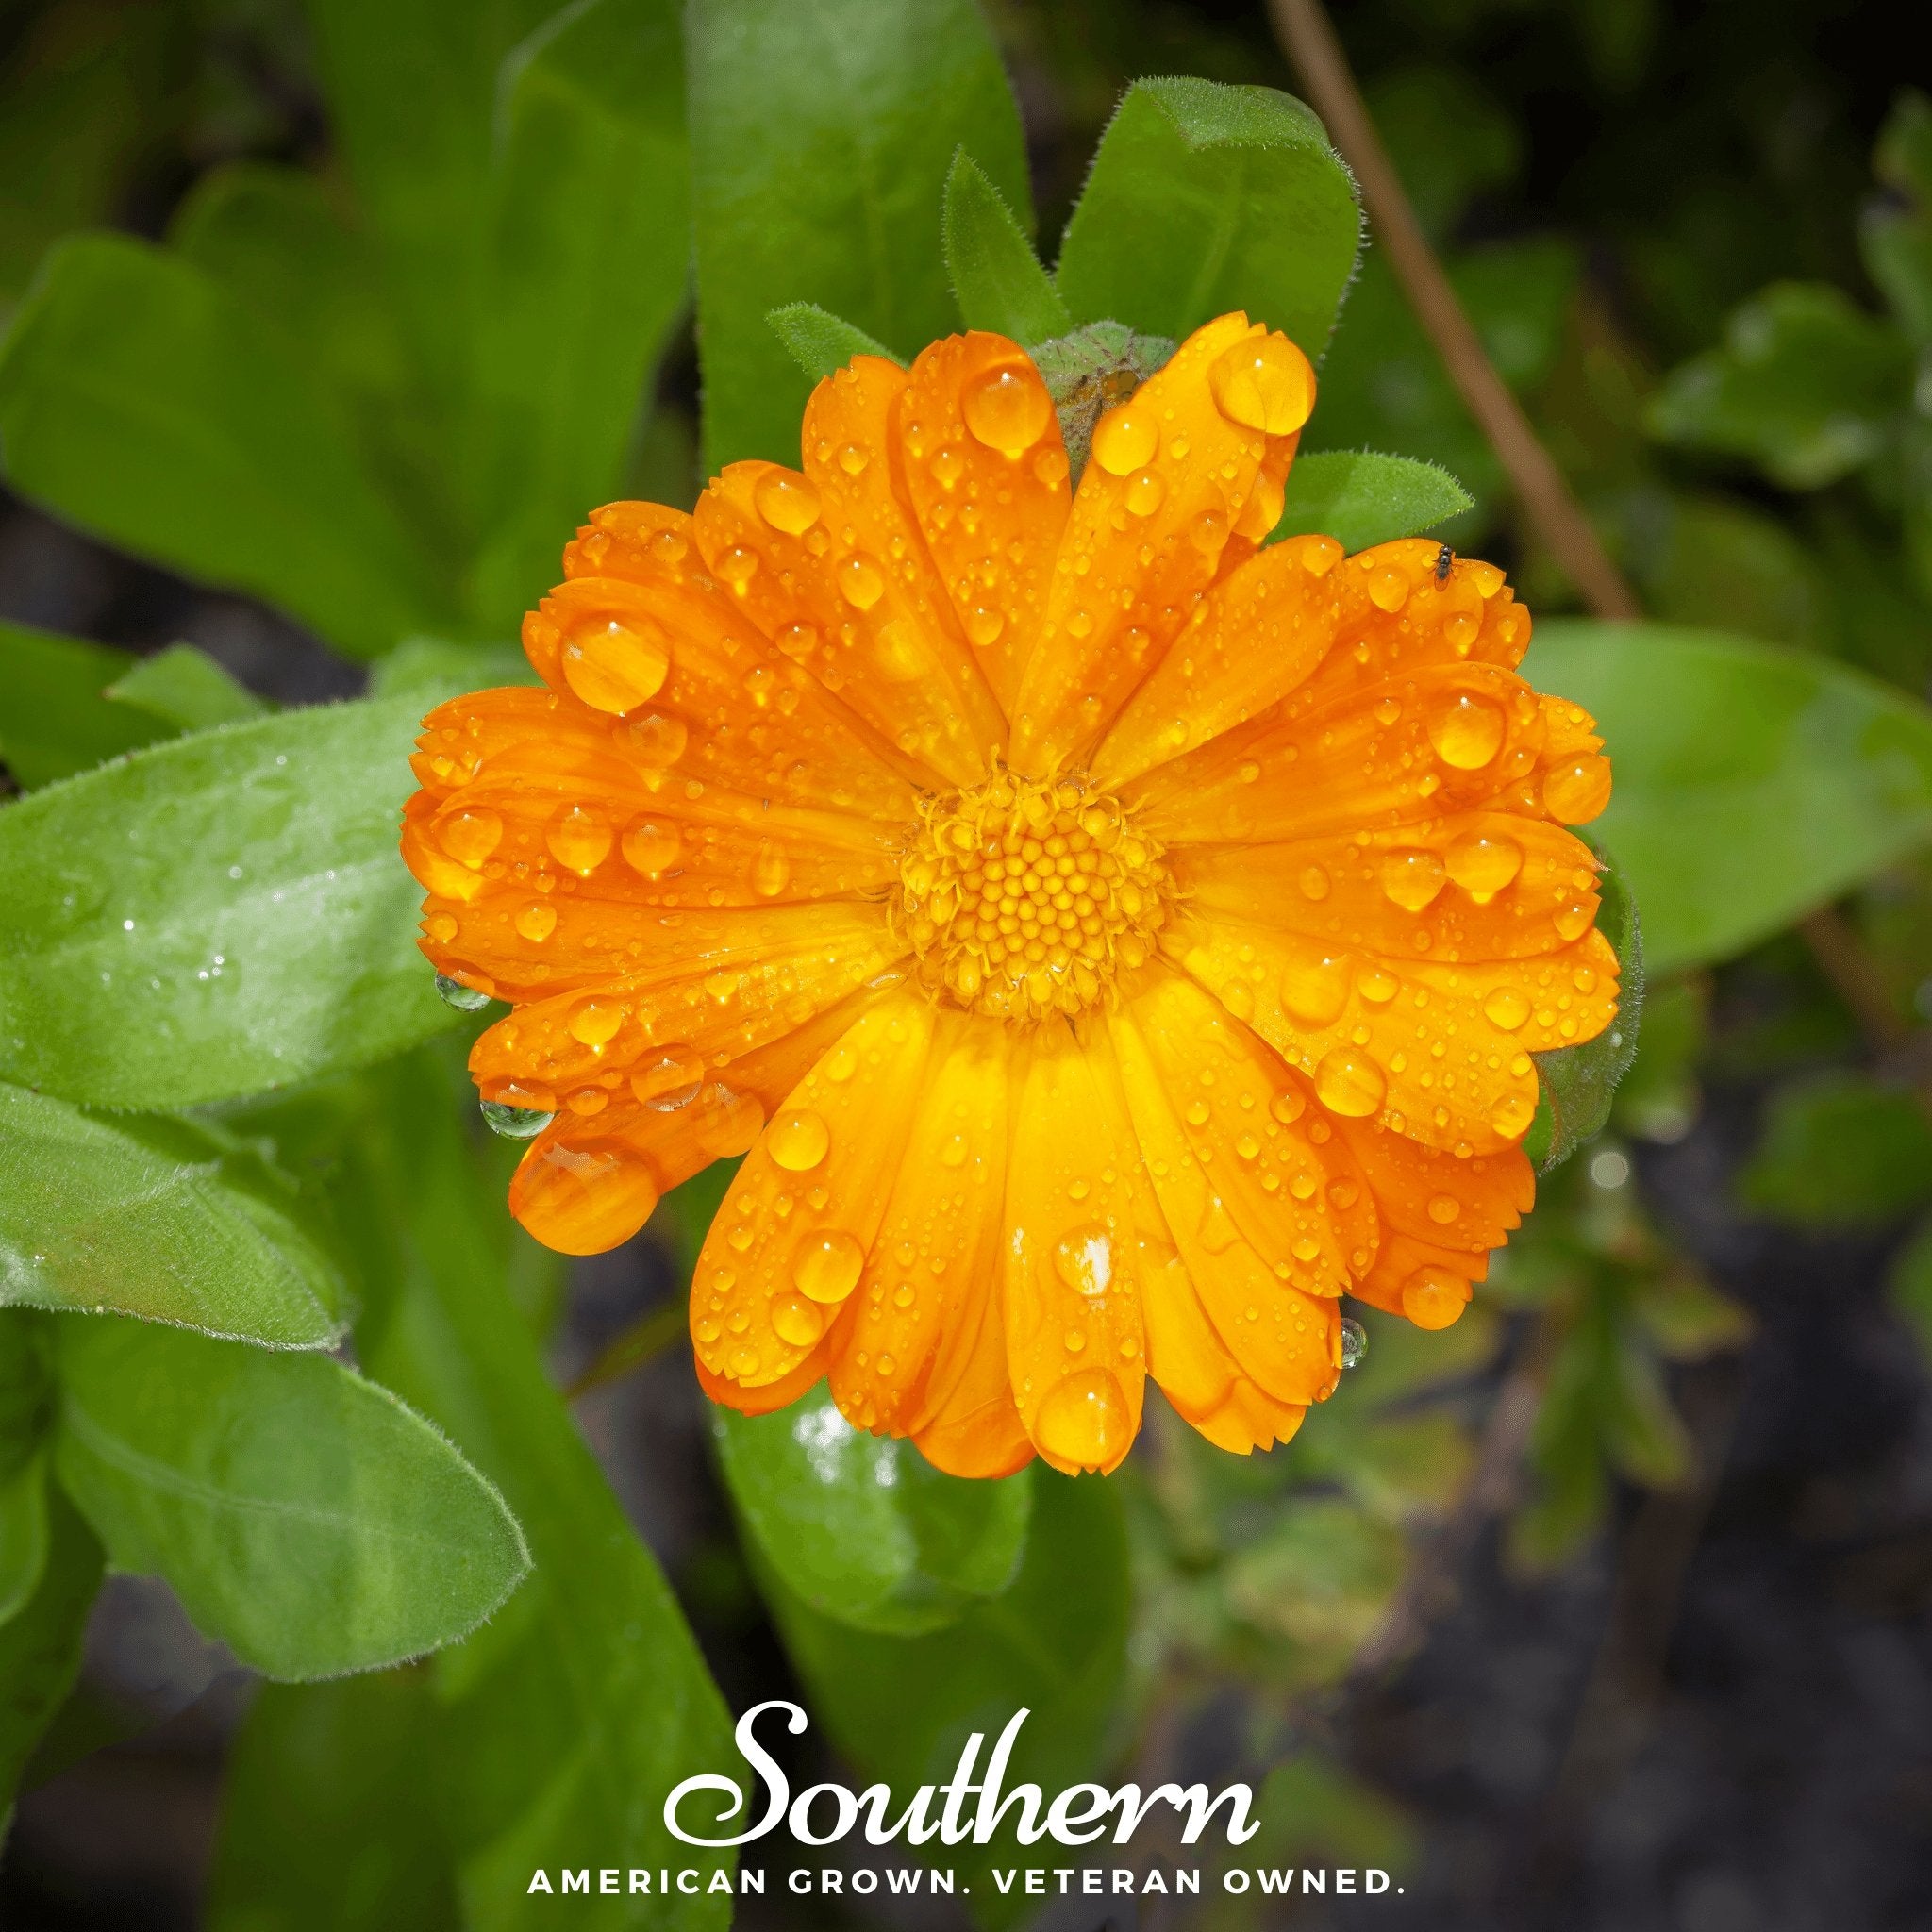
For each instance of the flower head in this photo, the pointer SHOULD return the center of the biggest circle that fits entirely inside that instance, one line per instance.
(1108, 941)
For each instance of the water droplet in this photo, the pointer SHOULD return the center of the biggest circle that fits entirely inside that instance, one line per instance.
(1354, 1341)
(1412, 878)
(827, 1267)
(1238, 996)
(798, 1139)
(1349, 1083)
(1084, 1419)
(1007, 409)
(1314, 882)
(860, 582)
(613, 664)
(1388, 589)
(1199, 1113)
(1247, 1147)
(669, 1078)
(465, 999)
(1144, 493)
(1433, 1297)
(1050, 467)
(1576, 791)
(796, 1321)
(594, 1022)
(578, 838)
(656, 739)
(1289, 1105)
(1125, 438)
(788, 502)
(737, 565)
(535, 922)
(1083, 1260)
(1264, 383)
(1377, 985)
(651, 847)
(583, 1198)
(1505, 1006)
(1314, 988)
(947, 468)
(797, 641)
(1482, 866)
(984, 625)
(1208, 532)
(1443, 1208)
(1466, 729)
(853, 458)
(1574, 920)
(470, 836)
(514, 1123)
(770, 872)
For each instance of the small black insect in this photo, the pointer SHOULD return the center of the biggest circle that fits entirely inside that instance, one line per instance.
(1444, 557)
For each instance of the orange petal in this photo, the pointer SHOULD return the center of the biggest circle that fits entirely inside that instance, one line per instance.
(1152, 526)
(1073, 1254)
(1478, 885)
(986, 473)
(1426, 1282)
(680, 1131)
(787, 1249)
(976, 1430)
(1282, 1339)
(731, 710)
(640, 1035)
(935, 1263)
(852, 596)
(1446, 739)
(1439, 1052)
(1276, 1174)
(1255, 635)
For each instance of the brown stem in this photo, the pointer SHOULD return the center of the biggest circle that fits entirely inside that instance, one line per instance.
(1309, 40)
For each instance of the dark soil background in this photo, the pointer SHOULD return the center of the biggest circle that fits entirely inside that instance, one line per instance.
(1719, 1718)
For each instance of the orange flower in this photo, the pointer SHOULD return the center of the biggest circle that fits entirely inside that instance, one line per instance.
(1108, 941)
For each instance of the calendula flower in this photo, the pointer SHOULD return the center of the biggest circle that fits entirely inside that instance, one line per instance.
(1107, 941)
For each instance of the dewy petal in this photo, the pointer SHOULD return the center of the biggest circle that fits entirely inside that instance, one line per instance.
(1075, 1254)
(589, 1179)
(935, 1265)
(732, 709)
(1281, 1338)
(775, 1282)
(986, 473)
(1153, 524)
(1437, 1051)
(851, 594)
(713, 996)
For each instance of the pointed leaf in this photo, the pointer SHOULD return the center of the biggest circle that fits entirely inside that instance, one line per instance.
(303, 1515)
(820, 344)
(821, 137)
(142, 402)
(186, 688)
(997, 278)
(1206, 198)
(163, 1219)
(55, 717)
(215, 915)
(40, 1645)
(1360, 498)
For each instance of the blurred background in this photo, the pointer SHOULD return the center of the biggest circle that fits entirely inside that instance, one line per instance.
(1612, 1606)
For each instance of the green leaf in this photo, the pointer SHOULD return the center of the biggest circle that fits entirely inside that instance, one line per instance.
(22, 1536)
(898, 1709)
(55, 717)
(565, 1721)
(40, 1645)
(186, 688)
(215, 915)
(1840, 1150)
(862, 1527)
(329, 1817)
(1206, 198)
(586, 269)
(820, 344)
(1085, 371)
(821, 138)
(1752, 784)
(303, 1515)
(1360, 498)
(166, 1220)
(1807, 385)
(1577, 1084)
(997, 278)
(142, 402)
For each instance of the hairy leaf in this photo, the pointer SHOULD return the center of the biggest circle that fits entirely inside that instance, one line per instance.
(1360, 498)
(997, 278)
(56, 716)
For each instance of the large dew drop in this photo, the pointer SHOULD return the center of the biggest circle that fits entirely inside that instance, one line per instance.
(1084, 1421)
(1264, 383)
(1007, 409)
(1354, 1342)
(465, 999)
(514, 1123)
